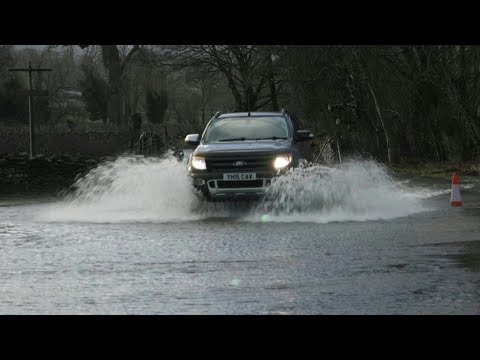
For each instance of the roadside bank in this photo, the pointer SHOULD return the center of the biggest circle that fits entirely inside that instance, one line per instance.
(42, 174)
(436, 170)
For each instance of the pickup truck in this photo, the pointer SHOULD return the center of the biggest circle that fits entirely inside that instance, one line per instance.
(239, 154)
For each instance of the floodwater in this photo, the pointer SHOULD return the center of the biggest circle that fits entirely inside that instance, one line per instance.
(350, 239)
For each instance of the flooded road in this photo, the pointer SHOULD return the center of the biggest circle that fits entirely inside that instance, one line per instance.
(353, 240)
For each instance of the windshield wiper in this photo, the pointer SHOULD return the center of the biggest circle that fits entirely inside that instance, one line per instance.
(234, 139)
(273, 138)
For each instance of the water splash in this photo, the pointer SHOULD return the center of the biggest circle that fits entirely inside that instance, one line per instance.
(129, 189)
(139, 189)
(353, 191)
(418, 192)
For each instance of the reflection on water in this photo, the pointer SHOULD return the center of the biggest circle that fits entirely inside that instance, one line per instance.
(469, 255)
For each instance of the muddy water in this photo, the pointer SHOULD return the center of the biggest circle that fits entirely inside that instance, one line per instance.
(341, 240)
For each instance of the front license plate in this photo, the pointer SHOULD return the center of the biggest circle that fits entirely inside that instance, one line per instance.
(240, 176)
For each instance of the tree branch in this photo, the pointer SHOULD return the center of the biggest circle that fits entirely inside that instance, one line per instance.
(129, 56)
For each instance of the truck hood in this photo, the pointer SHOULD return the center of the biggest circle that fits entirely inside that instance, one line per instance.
(243, 147)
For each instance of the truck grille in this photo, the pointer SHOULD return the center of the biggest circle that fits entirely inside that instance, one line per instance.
(239, 184)
(253, 163)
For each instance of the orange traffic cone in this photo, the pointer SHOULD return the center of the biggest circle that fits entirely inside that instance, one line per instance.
(455, 199)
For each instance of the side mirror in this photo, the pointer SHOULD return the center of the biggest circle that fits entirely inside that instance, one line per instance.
(192, 139)
(304, 135)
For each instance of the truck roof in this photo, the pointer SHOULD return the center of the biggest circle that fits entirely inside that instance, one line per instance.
(245, 114)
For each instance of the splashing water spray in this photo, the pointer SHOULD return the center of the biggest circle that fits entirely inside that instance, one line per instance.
(139, 189)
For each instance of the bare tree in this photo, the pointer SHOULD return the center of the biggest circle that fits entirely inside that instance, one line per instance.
(247, 69)
(115, 66)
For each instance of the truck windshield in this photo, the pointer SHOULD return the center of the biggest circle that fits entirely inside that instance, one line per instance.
(247, 128)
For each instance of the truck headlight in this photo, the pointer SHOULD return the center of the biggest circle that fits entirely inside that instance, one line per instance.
(282, 161)
(199, 163)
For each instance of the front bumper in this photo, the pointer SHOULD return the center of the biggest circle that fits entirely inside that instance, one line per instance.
(212, 186)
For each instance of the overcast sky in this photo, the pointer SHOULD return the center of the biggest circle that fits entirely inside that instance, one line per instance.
(76, 49)
(39, 47)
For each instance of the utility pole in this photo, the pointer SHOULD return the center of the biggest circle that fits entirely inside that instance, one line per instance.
(31, 93)
(337, 136)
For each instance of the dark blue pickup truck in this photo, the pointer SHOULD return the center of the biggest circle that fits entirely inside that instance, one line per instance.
(239, 153)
